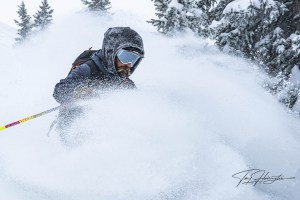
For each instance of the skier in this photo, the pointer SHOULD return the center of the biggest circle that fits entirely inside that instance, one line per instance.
(108, 68)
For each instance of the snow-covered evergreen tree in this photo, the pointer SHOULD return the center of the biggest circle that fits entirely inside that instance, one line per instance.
(266, 33)
(171, 16)
(161, 6)
(24, 24)
(197, 15)
(44, 16)
(282, 61)
(97, 5)
(256, 33)
(242, 30)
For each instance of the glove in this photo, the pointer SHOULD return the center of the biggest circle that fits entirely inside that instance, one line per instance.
(82, 91)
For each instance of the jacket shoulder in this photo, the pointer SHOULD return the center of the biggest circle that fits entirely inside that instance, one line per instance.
(82, 71)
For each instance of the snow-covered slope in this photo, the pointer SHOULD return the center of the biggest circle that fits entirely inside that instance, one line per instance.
(197, 118)
(7, 35)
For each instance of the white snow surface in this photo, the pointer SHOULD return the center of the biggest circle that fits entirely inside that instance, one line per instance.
(198, 117)
(7, 35)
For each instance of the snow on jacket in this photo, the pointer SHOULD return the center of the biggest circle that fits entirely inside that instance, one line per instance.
(106, 75)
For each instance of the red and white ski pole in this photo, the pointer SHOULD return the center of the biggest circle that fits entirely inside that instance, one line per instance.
(28, 118)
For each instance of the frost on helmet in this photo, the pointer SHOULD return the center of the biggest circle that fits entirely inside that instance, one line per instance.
(115, 39)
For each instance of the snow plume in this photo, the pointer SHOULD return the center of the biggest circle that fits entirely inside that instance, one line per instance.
(198, 117)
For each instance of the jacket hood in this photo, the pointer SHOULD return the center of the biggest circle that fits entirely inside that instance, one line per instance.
(116, 38)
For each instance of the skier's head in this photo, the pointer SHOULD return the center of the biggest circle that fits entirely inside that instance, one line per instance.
(122, 50)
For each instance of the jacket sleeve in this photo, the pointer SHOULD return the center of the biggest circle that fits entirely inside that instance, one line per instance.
(63, 91)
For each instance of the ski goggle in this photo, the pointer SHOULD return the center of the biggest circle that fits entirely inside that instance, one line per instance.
(128, 57)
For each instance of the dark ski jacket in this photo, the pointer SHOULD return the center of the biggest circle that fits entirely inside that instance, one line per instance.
(100, 72)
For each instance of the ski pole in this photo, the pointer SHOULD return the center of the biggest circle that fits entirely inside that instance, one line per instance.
(28, 118)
